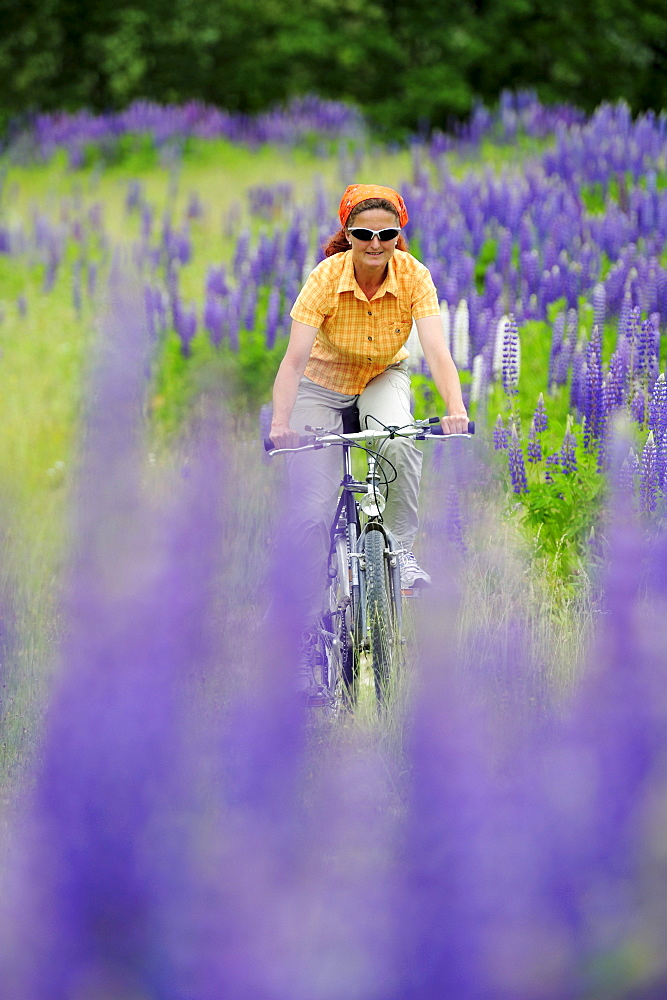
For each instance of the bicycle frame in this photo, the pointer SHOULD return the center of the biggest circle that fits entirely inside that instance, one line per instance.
(350, 527)
(355, 528)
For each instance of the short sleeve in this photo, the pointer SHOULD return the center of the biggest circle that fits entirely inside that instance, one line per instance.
(424, 297)
(311, 305)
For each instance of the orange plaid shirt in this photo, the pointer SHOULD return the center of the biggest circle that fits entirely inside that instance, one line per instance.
(358, 339)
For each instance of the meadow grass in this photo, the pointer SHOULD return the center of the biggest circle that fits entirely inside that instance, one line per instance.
(45, 360)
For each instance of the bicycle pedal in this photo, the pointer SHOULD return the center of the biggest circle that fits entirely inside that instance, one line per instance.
(317, 700)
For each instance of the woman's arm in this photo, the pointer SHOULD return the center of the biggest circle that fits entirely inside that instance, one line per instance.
(286, 385)
(444, 374)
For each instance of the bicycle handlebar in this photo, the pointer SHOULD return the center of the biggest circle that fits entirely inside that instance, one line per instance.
(420, 431)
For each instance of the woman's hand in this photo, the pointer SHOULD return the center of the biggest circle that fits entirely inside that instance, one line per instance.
(283, 436)
(455, 423)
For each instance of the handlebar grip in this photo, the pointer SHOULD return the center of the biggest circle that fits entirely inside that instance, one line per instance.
(303, 440)
(436, 431)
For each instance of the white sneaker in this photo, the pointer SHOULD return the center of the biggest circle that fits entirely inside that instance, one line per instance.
(412, 575)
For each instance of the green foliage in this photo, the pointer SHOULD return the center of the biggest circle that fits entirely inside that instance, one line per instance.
(408, 65)
(559, 516)
(487, 255)
(247, 375)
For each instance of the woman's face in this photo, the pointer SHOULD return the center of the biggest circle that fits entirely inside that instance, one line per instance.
(374, 255)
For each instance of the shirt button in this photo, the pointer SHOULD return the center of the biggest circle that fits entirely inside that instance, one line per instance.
(398, 329)
(370, 313)
(370, 338)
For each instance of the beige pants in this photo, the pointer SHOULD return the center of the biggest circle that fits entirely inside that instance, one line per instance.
(315, 476)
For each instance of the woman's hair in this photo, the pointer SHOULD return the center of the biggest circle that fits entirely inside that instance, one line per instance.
(339, 241)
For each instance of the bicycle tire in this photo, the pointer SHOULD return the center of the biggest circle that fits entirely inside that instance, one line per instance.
(379, 617)
(341, 660)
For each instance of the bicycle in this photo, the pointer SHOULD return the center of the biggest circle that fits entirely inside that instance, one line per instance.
(362, 610)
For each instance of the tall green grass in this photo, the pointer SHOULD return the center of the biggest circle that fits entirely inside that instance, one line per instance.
(44, 360)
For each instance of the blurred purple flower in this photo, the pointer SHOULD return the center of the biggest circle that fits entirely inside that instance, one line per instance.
(185, 324)
(534, 449)
(100, 834)
(552, 461)
(214, 316)
(500, 434)
(195, 208)
(540, 418)
(272, 317)
(657, 419)
(517, 468)
(568, 453)
(638, 407)
(648, 483)
(511, 357)
(216, 283)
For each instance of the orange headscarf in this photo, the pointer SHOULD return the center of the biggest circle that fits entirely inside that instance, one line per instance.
(356, 193)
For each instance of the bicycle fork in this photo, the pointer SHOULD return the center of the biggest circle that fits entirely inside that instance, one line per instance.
(372, 503)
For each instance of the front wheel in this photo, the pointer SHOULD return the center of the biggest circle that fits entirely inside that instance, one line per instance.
(379, 614)
(341, 657)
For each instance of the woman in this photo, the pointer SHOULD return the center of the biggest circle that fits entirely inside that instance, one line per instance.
(349, 327)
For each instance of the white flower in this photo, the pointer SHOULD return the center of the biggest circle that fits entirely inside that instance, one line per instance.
(446, 322)
(413, 345)
(461, 337)
(476, 384)
(498, 346)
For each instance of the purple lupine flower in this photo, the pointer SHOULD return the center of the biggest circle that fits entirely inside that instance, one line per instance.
(638, 407)
(625, 321)
(233, 322)
(216, 283)
(146, 222)
(540, 418)
(178, 246)
(657, 409)
(22, 305)
(661, 464)
(629, 471)
(578, 384)
(249, 306)
(185, 324)
(552, 462)
(557, 345)
(648, 476)
(616, 382)
(594, 412)
(95, 879)
(195, 208)
(511, 357)
(214, 316)
(644, 348)
(500, 434)
(91, 281)
(568, 452)
(272, 317)
(241, 252)
(534, 448)
(517, 468)
(134, 196)
(599, 305)
(51, 269)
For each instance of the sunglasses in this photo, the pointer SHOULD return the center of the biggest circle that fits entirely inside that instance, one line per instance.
(366, 235)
